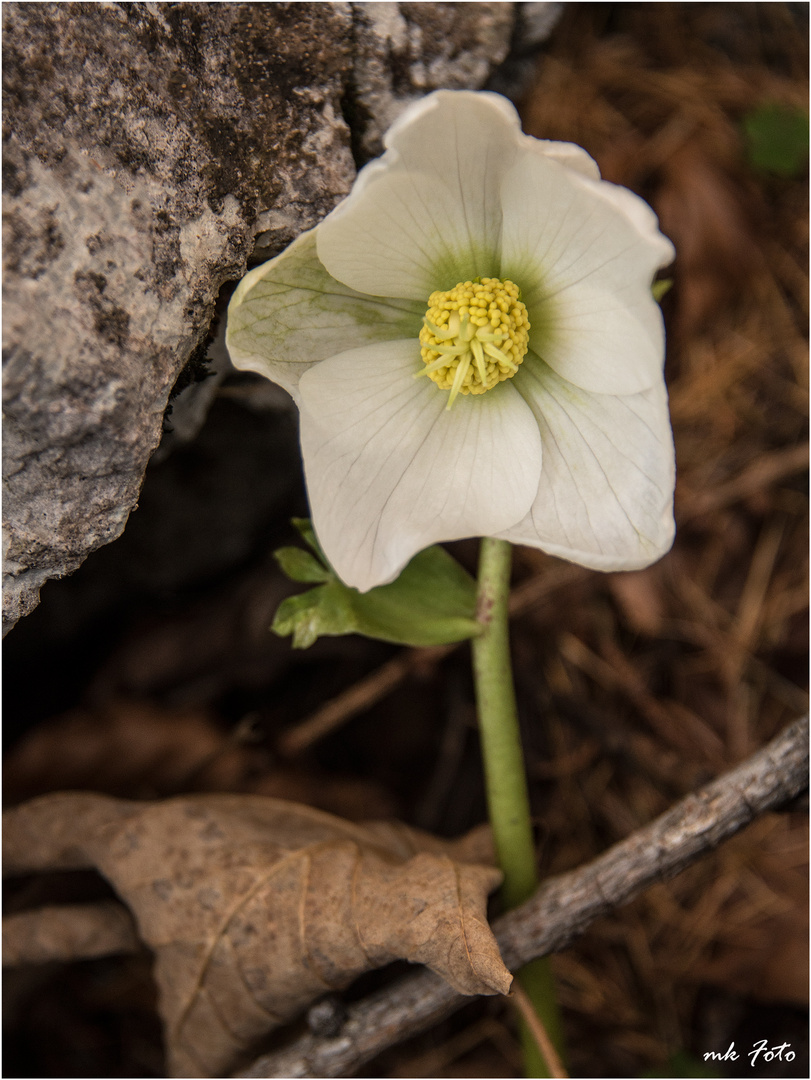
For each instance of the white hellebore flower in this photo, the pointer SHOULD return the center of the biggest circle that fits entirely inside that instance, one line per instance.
(506, 271)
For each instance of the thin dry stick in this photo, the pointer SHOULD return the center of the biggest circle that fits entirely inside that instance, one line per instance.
(767, 469)
(362, 695)
(539, 1033)
(365, 693)
(563, 907)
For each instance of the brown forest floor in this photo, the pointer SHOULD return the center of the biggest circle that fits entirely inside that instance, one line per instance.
(151, 673)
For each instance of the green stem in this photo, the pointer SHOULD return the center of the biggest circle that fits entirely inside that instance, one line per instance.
(504, 772)
(505, 778)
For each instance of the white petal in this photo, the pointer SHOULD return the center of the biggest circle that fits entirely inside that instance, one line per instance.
(569, 154)
(404, 133)
(390, 471)
(605, 498)
(289, 313)
(584, 253)
(427, 215)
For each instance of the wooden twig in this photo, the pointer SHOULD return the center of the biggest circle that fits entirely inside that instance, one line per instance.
(563, 907)
(361, 695)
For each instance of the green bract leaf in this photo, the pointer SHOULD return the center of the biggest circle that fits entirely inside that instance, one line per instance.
(433, 602)
(304, 528)
(300, 565)
(778, 139)
(322, 612)
(660, 288)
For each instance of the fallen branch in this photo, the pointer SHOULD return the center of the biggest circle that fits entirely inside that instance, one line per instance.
(563, 907)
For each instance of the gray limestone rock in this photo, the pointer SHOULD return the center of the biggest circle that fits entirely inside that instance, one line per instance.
(146, 146)
(404, 51)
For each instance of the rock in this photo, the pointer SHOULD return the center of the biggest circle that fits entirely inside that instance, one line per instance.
(406, 50)
(145, 147)
(534, 22)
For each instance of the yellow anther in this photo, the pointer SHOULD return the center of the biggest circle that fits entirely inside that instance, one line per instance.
(474, 336)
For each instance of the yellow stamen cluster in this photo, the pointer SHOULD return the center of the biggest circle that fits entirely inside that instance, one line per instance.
(475, 335)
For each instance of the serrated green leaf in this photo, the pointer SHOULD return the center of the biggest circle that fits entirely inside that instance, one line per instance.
(306, 531)
(777, 139)
(321, 612)
(433, 602)
(300, 565)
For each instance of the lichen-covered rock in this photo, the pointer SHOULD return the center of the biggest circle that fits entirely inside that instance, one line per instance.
(407, 50)
(145, 147)
(142, 145)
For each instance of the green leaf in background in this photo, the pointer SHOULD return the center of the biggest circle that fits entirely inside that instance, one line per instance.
(433, 602)
(777, 139)
(683, 1064)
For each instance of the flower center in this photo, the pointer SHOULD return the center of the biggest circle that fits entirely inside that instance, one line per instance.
(474, 336)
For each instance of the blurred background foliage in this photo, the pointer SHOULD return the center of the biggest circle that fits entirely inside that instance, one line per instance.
(151, 671)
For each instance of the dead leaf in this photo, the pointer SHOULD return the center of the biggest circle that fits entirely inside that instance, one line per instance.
(256, 906)
(68, 932)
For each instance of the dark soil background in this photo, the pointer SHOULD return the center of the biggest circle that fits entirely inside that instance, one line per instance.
(151, 671)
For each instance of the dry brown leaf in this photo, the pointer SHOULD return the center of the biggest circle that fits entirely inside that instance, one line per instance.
(68, 932)
(256, 906)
